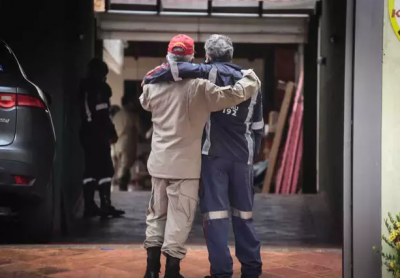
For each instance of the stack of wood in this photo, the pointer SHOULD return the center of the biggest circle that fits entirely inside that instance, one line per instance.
(286, 154)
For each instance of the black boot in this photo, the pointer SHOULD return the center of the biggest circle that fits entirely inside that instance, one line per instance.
(105, 200)
(91, 209)
(173, 268)
(153, 262)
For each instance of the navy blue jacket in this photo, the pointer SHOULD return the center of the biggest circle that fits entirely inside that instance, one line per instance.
(234, 133)
(94, 102)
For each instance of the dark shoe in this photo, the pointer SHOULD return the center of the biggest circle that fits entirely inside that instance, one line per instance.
(172, 268)
(153, 262)
(105, 200)
(91, 209)
(111, 211)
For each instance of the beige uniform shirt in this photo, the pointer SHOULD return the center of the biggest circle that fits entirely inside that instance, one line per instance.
(179, 113)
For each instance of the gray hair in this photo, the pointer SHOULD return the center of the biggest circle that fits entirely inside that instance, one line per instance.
(219, 47)
(179, 58)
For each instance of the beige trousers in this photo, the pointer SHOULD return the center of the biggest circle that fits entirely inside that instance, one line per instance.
(123, 160)
(170, 215)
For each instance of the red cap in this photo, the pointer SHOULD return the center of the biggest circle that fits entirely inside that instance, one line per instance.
(181, 45)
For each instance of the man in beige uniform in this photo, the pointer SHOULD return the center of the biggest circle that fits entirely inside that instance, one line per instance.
(179, 113)
(126, 123)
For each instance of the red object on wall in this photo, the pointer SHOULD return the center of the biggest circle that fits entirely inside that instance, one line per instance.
(297, 166)
(287, 178)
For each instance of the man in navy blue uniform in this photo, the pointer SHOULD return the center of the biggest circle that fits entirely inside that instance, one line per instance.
(97, 132)
(231, 139)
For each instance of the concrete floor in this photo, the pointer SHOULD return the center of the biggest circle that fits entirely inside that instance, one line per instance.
(284, 221)
(129, 262)
(296, 231)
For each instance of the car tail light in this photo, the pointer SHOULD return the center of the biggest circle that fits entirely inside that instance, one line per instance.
(11, 100)
(21, 180)
(7, 100)
(24, 100)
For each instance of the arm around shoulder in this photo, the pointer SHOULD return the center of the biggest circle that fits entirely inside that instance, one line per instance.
(250, 83)
(218, 98)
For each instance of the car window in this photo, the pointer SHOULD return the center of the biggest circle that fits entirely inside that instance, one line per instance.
(8, 63)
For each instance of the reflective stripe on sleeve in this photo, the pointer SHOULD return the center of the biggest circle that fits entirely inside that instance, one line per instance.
(250, 142)
(207, 142)
(87, 180)
(212, 215)
(101, 106)
(105, 180)
(242, 214)
(212, 76)
(257, 125)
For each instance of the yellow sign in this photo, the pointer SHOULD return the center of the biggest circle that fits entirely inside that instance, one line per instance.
(394, 13)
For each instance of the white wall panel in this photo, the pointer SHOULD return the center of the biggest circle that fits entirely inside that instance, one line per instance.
(132, 27)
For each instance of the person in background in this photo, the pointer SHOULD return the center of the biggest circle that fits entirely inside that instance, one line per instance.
(231, 141)
(114, 109)
(126, 123)
(97, 132)
(179, 113)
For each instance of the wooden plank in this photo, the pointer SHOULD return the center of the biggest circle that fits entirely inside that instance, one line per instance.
(297, 149)
(285, 174)
(278, 136)
(297, 166)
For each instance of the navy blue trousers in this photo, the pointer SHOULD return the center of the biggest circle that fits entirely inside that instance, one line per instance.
(227, 189)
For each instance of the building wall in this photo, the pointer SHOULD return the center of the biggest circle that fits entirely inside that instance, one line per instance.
(136, 69)
(285, 70)
(390, 122)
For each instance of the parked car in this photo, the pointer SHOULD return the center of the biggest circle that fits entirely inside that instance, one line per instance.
(27, 150)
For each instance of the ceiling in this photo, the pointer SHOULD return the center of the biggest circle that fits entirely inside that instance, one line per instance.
(215, 6)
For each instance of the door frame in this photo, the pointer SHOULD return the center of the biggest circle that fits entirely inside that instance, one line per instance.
(362, 139)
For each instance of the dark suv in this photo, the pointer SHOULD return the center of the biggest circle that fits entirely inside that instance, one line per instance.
(27, 151)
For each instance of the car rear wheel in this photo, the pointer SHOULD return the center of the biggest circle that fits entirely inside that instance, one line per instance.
(38, 221)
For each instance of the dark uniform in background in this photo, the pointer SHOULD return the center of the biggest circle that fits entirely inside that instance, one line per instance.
(96, 134)
(231, 139)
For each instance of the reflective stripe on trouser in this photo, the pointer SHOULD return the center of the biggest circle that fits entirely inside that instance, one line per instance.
(170, 215)
(227, 189)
